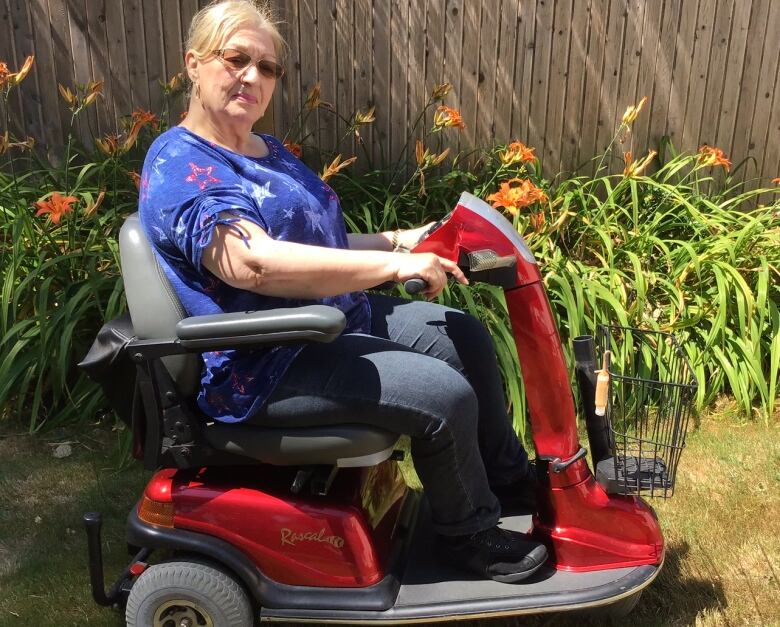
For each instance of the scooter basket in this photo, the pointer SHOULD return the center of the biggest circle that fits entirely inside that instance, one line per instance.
(651, 393)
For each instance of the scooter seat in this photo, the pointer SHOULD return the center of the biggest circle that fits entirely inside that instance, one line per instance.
(340, 445)
(156, 313)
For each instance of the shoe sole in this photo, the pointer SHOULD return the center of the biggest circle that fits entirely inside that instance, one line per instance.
(515, 577)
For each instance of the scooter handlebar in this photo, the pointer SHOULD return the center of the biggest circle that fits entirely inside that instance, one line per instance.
(415, 286)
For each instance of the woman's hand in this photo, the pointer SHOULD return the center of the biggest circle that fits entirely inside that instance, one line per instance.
(429, 267)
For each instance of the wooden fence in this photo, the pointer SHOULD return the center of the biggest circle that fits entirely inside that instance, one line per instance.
(557, 74)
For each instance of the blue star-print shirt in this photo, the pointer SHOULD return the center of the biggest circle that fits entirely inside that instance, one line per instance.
(188, 186)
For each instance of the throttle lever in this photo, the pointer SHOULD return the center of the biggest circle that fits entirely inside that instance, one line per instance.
(415, 286)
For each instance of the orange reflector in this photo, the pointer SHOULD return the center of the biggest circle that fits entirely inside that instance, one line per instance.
(156, 513)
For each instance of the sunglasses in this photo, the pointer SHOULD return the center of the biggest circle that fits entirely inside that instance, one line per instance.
(239, 61)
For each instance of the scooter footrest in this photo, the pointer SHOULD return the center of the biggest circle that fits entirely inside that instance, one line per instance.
(632, 475)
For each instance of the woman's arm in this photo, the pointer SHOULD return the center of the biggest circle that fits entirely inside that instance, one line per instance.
(286, 269)
(384, 240)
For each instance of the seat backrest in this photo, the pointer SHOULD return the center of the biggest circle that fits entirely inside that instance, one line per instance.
(154, 306)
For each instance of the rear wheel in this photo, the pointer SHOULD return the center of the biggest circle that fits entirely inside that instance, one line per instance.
(187, 594)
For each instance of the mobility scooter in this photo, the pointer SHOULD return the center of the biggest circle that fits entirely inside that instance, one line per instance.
(317, 525)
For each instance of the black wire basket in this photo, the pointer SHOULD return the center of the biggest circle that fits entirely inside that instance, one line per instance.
(651, 396)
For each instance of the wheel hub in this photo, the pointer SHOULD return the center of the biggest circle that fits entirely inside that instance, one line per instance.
(182, 613)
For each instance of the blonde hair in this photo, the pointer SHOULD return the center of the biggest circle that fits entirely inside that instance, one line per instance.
(212, 25)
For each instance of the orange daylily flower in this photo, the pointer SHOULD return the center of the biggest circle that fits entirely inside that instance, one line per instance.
(136, 179)
(425, 158)
(447, 116)
(709, 156)
(517, 151)
(635, 168)
(14, 78)
(776, 181)
(294, 148)
(632, 112)
(515, 194)
(313, 99)
(142, 117)
(174, 85)
(6, 144)
(440, 91)
(365, 118)
(56, 206)
(92, 207)
(67, 95)
(337, 165)
(93, 90)
(109, 145)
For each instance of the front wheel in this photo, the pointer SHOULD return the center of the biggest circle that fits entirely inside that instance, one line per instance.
(177, 594)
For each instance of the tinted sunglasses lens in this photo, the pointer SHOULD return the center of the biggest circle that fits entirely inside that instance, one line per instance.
(236, 59)
(270, 69)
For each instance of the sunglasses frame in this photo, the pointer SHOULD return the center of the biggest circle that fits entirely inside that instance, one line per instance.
(275, 74)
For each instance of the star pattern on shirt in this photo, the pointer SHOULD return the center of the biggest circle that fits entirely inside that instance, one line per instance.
(261, 192)
(315, 220)
(202, 176)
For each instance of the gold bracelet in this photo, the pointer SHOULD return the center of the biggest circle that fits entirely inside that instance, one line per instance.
(396, 236)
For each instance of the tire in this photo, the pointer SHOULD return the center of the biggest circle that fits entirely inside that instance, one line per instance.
(166, 594)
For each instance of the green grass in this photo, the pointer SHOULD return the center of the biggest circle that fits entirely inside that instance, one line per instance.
(722, 529)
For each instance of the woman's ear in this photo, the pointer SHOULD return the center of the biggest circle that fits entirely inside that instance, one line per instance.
(191, 65)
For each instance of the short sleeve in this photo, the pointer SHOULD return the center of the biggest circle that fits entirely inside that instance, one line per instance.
(186, 191)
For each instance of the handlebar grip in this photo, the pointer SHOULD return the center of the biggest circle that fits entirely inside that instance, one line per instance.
(415, 286)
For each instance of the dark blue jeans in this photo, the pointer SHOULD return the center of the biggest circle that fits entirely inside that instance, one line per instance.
(426, 371)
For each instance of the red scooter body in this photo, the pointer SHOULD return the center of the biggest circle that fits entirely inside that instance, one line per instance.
(363, 552)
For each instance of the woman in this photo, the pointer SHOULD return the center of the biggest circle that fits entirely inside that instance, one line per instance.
(238, 223)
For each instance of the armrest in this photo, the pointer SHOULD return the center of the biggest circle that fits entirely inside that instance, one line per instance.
(198, 334)
(313, 323)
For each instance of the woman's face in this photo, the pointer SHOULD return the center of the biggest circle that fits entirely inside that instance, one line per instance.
(235, 96)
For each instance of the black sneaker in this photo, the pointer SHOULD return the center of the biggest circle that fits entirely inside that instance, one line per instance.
(495, 553)
(518, 497)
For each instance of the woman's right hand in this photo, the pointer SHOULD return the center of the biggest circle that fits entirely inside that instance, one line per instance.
(430, 268)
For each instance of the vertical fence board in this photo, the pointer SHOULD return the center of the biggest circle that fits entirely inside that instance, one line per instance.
(524, 68)
(399, 44)
(434, 50)
(664, 65)
(363, 74)
(559, 77)
(734, 64)
(629, 67)
(757, 36)
(155, 56)
(716, 75)
(98, 52)
(540, 75)
(765, 136)
(381, 84)
(678, 93)
(345, 100)
(46, 75)
(469, 75)
(453, 52)
(644, 87)
(63, 67)
(698, 73)
(486, 75)
(28, 91)
(309, 76)
(505, 70)
(117, 86)
(610, 78)
(593, 72)
(573, 116)
(326, 72)
(416, 69)
(136, 59)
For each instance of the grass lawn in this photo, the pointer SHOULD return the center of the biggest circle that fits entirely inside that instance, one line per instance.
(722, 529)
